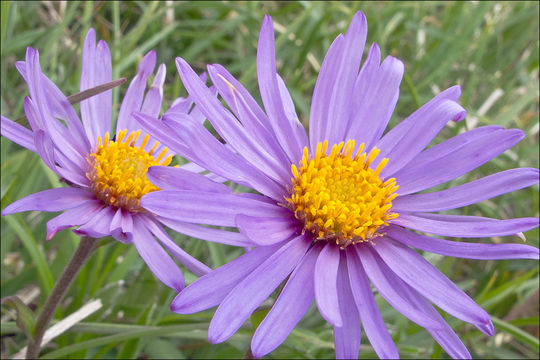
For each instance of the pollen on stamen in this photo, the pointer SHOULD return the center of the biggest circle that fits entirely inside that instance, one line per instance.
(338, 197)
(117, 169)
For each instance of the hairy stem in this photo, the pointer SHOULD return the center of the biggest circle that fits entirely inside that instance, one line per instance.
(82, 254)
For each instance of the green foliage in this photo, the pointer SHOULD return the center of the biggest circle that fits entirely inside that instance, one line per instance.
(491, 49)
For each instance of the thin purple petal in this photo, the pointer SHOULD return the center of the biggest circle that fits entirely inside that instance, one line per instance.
(408, 264)
(265, 231)
(202, 207)
(122, 226)
(378, 87)
(326, 292)
(464, 226)
(291, 305)
(421, 175)
(17, 133)
(207, 233)
(462, 249)
(96, 70)
(339, 90)
(98, 226)
(157, 259)
(290, 134)
(347, 337)
(50, 200)
(412, 135)
(470, 193)
(372, 321)
(78, 215)
(135, 94)
(173, 178)
(251, 291)
(152, 101)
(193, 265)
(210, 290)
(379, 274)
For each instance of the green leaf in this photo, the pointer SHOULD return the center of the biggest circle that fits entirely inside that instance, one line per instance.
(25, 317)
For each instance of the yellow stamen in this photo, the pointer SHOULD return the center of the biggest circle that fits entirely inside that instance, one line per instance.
(117, 170)
(338, 197)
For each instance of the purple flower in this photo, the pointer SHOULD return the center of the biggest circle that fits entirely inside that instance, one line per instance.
(335, 210)
(106, 171)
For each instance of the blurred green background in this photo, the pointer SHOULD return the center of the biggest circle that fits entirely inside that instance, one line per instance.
(489, 48)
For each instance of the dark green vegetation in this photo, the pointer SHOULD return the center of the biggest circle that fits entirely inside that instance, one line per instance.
(489, 48)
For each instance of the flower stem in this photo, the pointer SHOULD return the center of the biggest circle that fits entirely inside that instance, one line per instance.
(82, 254)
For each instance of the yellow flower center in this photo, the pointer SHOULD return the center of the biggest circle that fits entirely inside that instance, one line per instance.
(338, 197)
(117, 170)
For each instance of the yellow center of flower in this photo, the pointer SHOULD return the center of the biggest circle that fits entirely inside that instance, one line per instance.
(117, 170)
(338, 197)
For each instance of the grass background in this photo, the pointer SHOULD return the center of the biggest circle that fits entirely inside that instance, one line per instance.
(489, 48)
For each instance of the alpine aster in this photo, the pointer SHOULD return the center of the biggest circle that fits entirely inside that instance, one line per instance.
(335, 210)
(106, 171)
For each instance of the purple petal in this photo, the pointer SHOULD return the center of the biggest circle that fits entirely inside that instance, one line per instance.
(152, 101)
(379, 274)
(51, 156)
(193, 265)
(228, 127)
(50, 200)
(291, 305)
(268, 230)
(173, 178)
(45, 149)
(206, 233)
(156, 257)
(464, 226)
(445, 336)
(207, 207)
(78, 215)
(412, 135)
(408, 264)
(122, 226)
(347, 337)
(470, 193)
(39, 109)
(219, 158)
(247, 111)
(257, 286)
(228, 87)
(463, 159)
(326, 292)
(17, 133)
(98, 226)
(96, 70)
(462, 249)
(61, 109)
(372, 321)
(209, 290)
(135, 93)
(339, 88)
(158, 130)
(319, 113)
(378, 88)
(290, 134)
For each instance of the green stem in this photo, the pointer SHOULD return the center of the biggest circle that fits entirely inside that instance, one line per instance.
(82, 254)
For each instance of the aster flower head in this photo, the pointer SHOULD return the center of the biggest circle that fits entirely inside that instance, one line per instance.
(106, 170)
(336, 211)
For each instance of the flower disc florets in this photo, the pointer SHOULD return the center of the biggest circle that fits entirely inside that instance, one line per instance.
(338, 197)
(117, 170)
